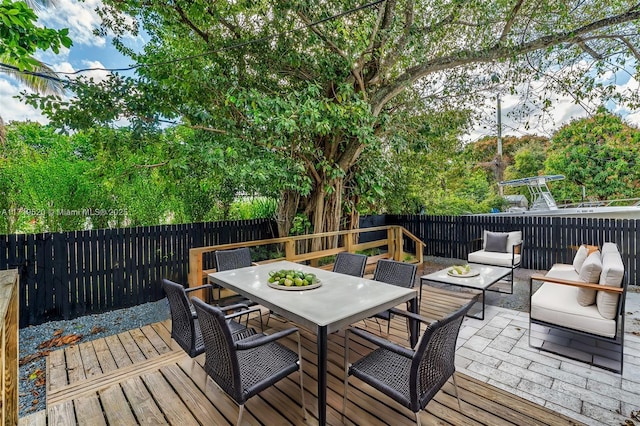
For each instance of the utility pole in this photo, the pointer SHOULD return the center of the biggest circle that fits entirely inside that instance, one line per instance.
(499, 165)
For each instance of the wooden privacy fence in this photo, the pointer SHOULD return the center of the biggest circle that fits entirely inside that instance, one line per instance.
(70, 274)
(547, 240)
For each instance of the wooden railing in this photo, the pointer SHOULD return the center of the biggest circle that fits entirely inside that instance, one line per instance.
(392, 243)
(9, 325)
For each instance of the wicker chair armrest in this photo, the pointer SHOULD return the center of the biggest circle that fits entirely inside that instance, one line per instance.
(243, 312)
(200, 287)
(410, 315)
(235, 307)
(381, 342)
(581, 284)
(240, 313)
(264, 339)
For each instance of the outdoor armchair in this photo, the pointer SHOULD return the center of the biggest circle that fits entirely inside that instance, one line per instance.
(410, 377)
(397, 273)
(185, 326)
(499, 249)
(350, 264)
(244, 368)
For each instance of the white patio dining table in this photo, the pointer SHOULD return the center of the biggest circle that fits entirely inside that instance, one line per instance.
(339, 301)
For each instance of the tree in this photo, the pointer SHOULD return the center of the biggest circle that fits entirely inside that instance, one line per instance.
(317, 87)
(20, 38)
(598, 153)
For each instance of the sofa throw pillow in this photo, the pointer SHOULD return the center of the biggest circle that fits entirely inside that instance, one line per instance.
(496, 242)
(612, 275)
(590, 273)
(579, 258)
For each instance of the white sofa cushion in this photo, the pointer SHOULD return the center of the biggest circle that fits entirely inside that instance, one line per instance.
(609, 248)
(580, 257)
(493, 258)
(557, 304)
(612, 275)
(589, 273)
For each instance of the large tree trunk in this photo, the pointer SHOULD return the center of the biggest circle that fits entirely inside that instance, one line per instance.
(287, 208)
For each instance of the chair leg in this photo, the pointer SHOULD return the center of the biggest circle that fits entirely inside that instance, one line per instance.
(455, 385)
(418, 418)
(240, 411)
(304, 408)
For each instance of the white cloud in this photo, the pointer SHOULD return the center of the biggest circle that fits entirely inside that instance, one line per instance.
(99, 73)
(13, 109)
(80, 17)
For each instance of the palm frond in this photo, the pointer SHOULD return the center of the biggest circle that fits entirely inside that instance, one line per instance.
(41, 78)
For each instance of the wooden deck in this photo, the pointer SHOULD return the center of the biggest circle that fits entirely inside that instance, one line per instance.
(142, 377)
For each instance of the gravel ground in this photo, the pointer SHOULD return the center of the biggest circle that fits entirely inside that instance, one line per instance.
(32, 372)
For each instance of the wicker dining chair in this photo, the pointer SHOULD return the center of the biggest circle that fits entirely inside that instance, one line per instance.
(350, 263)
(410, 377)
(245, 368)
(397, 273)
(185, 326)
(233, 259)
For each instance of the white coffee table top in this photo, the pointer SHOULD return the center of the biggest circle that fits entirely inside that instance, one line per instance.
(488, 275)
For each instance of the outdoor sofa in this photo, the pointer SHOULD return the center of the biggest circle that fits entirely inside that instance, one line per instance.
(581, 307)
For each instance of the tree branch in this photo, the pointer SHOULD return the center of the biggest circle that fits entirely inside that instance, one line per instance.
(208, 129)
(323, 37)
(466, 57)
(392, 57)
(584, 46)
(509, 24)
(187, 21)
(630, 46)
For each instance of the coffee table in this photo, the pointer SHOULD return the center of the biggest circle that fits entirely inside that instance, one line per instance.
(341, 300)
(487, 276)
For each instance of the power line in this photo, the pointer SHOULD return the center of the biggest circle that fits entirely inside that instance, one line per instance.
(186, 58)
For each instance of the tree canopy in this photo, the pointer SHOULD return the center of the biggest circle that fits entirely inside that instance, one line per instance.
(599, 154)
(316, 94)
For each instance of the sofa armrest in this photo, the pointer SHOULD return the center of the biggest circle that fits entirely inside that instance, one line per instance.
(517, 248)
(590, 286)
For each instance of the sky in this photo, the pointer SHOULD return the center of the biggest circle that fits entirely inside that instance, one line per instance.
(90, 51)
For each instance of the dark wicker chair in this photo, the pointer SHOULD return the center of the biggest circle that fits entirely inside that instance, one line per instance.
(245, 368)
(185, 327)
(397, 273)
(350, 264)
(233, 259)
(417, 375)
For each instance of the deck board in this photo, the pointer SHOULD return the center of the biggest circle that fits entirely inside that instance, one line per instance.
(142, 376)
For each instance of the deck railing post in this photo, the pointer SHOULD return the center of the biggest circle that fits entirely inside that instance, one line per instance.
(9, 318)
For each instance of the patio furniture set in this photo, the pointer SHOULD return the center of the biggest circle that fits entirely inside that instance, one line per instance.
(244, 362)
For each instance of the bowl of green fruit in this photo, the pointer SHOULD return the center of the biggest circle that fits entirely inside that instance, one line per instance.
(462, 271)
(287, 279)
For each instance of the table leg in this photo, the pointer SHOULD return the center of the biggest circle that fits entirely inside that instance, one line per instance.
(414, 325)
(322, 376)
